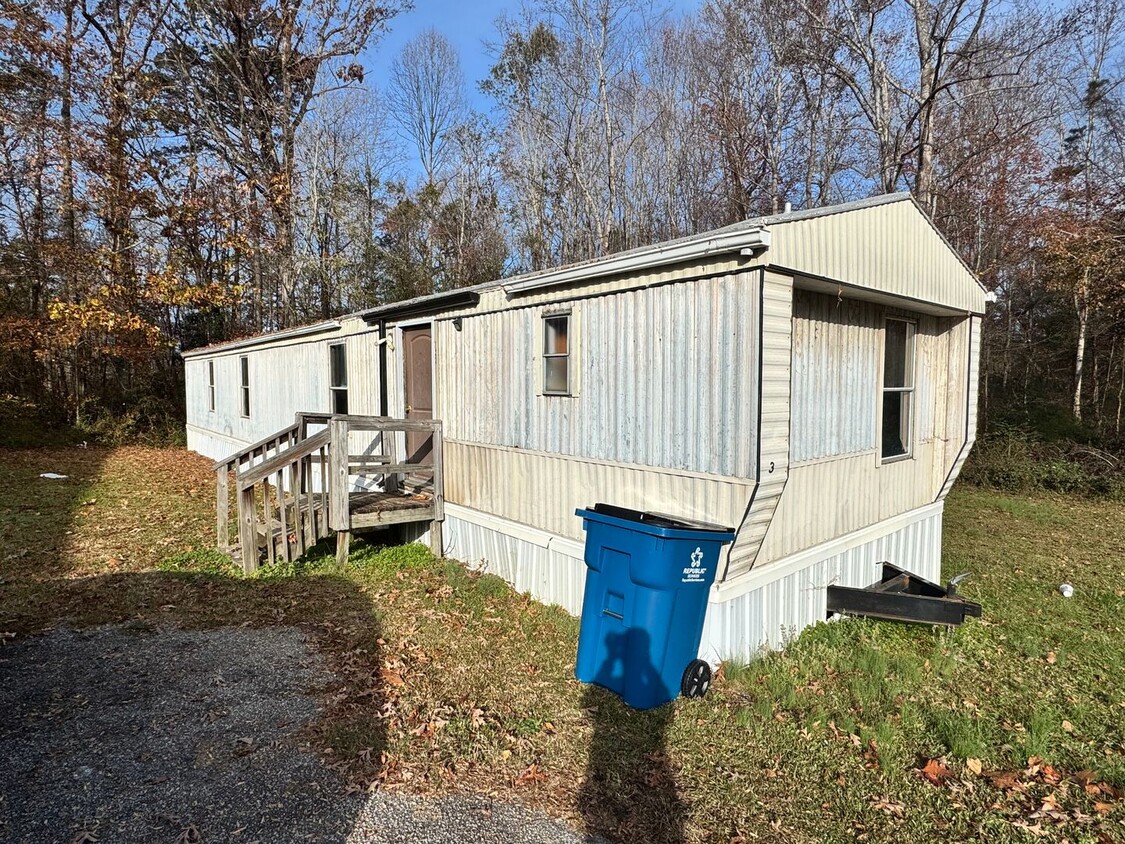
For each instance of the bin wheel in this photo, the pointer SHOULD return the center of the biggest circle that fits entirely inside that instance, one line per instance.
(697, 679)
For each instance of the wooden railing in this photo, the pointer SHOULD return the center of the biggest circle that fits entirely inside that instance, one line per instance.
(295, 487)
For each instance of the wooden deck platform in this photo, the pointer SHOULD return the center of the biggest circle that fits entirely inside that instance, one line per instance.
(375, 509)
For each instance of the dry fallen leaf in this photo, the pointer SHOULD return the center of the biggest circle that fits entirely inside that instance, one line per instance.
(1005, 781)
(1036, 829)
(392, 678)
(1051, 658)
(891, 807)
(1103, 808)
(973, 765)
(531, 774)
(1069, 727)
(936, 771)
(1085, 776)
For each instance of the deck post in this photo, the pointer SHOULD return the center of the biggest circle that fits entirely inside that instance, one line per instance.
(343, 543)
(338, 504)
(247, 534)
(437, 548)
(222, 509)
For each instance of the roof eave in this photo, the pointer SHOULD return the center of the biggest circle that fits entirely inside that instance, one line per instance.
(263, 339)
(747, 240)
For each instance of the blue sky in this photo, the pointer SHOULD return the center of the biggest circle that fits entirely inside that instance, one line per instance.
(468, 24)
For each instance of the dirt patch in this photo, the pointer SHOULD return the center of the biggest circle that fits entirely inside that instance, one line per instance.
(134, 734)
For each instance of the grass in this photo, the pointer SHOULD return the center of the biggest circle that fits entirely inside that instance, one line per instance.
(449, 680)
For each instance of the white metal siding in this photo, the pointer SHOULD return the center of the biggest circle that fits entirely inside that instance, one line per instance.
(663, 377)
(284, 379)
(890, 248)
(836, 347)
(965, 356)
(839, 486)
(766, 615)
(542, 490)
(776, 340)
(830, 498)
(547, 567)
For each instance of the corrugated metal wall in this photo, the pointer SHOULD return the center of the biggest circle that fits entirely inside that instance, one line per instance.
(837, 485)
(543, 490)
(666, 377)
(836, 347)
(284, 379)
(830, 498)
(549, 570)
(965, 345)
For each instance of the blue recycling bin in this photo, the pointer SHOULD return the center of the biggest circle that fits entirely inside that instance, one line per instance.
(648, 576)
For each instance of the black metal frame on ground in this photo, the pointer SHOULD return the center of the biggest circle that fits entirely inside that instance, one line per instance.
(902, 596)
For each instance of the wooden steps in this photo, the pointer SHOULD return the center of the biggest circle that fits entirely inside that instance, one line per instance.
(293, 489)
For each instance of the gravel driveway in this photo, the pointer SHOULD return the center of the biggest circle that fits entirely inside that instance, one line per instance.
(128, 735)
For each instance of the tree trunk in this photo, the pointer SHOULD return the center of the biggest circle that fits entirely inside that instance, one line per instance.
(69, 212)
(1120, 398)
(1082, 306)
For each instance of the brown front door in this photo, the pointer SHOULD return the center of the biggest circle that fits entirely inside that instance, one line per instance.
(417, 372)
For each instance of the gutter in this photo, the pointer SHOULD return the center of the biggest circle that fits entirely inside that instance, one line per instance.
(745, 242)
(422, 306)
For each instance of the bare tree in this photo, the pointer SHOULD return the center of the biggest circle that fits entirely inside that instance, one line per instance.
(903, 61)
(1091, 175)
(248, 75)
(426, 99)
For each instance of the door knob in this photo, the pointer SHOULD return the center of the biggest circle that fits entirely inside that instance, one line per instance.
(409, 408)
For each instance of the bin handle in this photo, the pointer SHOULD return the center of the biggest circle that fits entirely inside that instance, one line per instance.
(613, 614)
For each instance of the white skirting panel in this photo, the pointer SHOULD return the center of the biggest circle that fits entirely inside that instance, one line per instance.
(211, 444)
(764, 609)
(768, 607)
(547, 567)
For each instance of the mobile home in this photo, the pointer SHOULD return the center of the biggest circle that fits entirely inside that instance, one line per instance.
(808, 378)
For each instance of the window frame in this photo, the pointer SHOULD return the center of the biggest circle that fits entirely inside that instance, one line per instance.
(568, 355)
(335, 390)
(909, 388)
(210, 386)
(244, 386)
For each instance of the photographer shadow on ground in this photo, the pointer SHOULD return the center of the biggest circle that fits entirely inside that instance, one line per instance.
(630, 793)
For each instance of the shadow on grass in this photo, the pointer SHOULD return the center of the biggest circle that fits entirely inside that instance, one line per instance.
(630, 793)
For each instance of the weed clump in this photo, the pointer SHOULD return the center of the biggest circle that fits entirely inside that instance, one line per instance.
(1015, 460)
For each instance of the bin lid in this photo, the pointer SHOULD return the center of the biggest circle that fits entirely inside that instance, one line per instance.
(661, 521)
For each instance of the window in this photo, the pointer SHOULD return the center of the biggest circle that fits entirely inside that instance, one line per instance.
(556, 355)
(211, 385)
(244, 367)
(898, 388)
(338, 377)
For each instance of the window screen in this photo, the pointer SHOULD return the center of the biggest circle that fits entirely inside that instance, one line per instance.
(556, 355)
(898, 388)
(338, 386)
(211, 385)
